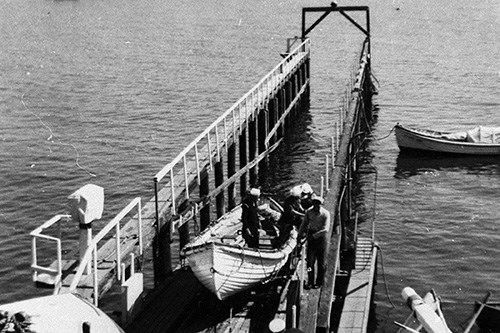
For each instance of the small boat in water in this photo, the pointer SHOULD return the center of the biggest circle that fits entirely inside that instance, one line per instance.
(64, 313)
(221, 261)
(426, 314)
(488, 318)
(478, 141)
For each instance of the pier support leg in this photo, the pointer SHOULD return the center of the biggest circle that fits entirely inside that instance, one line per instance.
(262, 133)
(219, 179)
(252, 149)
(281, 109)
(183, 234)
(164, 261)
(243, 161)
(205, 211)
(231, 170)
(273, 117)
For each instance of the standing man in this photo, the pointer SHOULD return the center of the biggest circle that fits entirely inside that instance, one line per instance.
(292, 216)
(316, 226)
(250, 218)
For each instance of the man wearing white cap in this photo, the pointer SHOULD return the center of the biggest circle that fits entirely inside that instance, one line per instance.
(306, 196)
(250, 218)
(316, 226)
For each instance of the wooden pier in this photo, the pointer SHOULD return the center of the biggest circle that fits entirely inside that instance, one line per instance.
(186, 187)
(357, 300)
(225, 157)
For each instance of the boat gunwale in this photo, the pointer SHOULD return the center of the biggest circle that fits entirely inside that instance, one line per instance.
(247, 251)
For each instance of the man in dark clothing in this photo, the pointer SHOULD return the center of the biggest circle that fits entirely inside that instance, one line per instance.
(292, 216)
(316, 226)
(250, 218)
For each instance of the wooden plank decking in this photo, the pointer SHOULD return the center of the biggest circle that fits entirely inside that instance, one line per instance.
(356, 310)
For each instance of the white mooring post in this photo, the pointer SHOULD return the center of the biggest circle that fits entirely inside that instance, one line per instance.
(86, 205)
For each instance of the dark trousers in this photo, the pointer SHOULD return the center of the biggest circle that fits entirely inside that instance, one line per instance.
(316, 254)
(251, 240)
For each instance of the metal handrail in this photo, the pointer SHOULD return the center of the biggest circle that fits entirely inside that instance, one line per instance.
(231, 121)
(37, 233)
(91, 252)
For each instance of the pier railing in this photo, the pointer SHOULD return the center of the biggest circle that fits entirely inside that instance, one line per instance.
(92, 254)
(221, 133)
(51, 275)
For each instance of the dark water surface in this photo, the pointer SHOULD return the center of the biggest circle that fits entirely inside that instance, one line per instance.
(107, 92)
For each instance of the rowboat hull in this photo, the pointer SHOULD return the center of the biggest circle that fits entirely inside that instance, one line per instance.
(224, 265)
(417, 140)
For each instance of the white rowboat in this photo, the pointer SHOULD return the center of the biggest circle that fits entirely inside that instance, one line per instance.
(477, 141)
(220, 260)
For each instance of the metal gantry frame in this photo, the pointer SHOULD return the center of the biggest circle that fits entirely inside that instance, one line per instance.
(342, 10)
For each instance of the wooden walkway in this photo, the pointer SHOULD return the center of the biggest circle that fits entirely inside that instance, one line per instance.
(356, 310)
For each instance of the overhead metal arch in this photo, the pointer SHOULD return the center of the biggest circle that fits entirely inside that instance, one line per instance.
(342, 10)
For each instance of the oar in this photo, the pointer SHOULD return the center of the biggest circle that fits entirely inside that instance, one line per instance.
(478, 312)
(409, 329)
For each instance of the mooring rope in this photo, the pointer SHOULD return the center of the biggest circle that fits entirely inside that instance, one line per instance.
(383, 275)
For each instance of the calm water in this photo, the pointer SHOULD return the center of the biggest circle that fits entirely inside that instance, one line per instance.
(107, 92)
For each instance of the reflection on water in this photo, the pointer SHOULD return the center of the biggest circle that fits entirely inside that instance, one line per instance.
(291, 163)
(411, 165)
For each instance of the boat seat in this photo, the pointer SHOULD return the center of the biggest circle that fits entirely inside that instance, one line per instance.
(267, 242)
(232, 239)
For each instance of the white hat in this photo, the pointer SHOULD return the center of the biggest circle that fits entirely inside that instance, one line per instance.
(306, 188)
(255, 192)
(277, 325)
(296, 191)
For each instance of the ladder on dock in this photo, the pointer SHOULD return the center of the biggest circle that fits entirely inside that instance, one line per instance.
(356, 310)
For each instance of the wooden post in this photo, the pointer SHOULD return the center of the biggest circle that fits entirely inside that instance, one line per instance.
(281, 110)
(205, 211)
(263, 129)
(231, 170)
(243, 161)
(349, 182)
(219, 179)
(273, 117)
(165, 260)
(288, 93)
(252, 149)
(292, 300)
(183, 234)
(295, 91)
